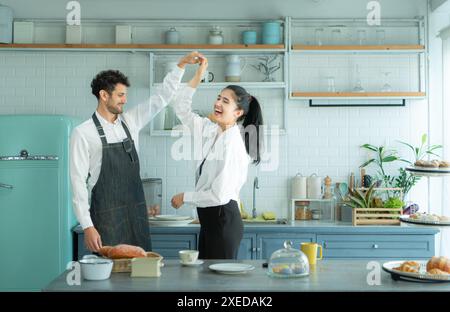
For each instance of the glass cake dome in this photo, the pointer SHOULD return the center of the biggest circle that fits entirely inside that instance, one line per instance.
(288, 262)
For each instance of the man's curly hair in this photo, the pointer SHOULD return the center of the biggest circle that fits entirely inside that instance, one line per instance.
(107, 80)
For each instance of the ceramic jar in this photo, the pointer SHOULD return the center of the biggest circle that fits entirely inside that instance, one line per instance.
(233, 68)
(6, 24)
(172, 36)
(249, 37)
(215, 36)
(271, 32)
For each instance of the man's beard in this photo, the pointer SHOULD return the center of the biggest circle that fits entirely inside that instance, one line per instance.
(114, 110)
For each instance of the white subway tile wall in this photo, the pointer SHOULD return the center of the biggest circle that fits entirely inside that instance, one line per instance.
(324, 141)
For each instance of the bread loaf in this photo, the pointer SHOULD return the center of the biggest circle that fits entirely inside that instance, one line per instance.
(124, 251)
(441, 263)
(104, 251)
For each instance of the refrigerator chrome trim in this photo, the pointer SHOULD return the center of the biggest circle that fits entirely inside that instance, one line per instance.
(7, 186)
(9, 158)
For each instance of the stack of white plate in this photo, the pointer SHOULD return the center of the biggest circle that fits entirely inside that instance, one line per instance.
(170, 220)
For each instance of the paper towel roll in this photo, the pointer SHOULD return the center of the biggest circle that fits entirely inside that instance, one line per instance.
(314, 187)
(299, 187)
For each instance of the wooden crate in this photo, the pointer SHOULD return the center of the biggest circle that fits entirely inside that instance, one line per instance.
(124, 265)
(376, 216)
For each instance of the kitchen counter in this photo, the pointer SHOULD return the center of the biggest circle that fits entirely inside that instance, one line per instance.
(307, 226)
(328, 275)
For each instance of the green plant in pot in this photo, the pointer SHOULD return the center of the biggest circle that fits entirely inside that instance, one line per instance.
(404, 180)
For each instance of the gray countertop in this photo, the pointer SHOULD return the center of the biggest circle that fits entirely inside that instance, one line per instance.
(328, 275)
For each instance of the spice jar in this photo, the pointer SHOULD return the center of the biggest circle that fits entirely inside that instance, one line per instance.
(302, 211)
(316, 214)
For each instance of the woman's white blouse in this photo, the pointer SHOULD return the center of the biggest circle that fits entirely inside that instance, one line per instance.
(225, 169)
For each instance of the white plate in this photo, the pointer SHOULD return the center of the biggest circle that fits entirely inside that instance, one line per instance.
(154, 221)
(198, 262)
(419, 221)
(171, 217)
(231, 268)
(421, 276)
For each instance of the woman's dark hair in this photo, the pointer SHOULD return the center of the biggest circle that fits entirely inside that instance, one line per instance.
(107, 80)
(252, 117)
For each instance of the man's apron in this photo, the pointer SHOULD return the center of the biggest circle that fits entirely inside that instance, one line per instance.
(118, 208)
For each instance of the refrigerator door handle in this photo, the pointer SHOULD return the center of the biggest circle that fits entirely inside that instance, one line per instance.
(7, 186)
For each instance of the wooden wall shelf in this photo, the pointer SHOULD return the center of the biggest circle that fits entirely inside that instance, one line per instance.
(144, 46)
(396, 47)
(358, 94)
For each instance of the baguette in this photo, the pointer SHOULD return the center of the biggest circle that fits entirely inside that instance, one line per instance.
(441, 263)
(104, 251)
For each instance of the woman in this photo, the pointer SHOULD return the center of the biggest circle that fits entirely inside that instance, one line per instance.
(223, 166)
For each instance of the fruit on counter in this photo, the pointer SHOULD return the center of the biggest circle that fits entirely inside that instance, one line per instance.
(269, 215)
(244, 214)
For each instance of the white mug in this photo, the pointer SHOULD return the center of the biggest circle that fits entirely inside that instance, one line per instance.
(188, 256)
(207, 77)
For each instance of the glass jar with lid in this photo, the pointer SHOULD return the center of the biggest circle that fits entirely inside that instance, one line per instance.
(302, 211)
(288, 262)
(215, 36)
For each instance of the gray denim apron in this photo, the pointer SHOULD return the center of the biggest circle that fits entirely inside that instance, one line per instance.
(118, 208)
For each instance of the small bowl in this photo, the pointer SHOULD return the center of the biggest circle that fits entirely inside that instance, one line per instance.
(96, 269)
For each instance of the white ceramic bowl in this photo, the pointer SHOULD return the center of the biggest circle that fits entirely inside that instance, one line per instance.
(96, 269)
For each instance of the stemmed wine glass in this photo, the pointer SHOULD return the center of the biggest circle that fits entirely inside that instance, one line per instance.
(386, 86)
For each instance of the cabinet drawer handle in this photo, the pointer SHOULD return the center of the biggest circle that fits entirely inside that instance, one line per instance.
(258, 249)
(254, 249)
(375, 246)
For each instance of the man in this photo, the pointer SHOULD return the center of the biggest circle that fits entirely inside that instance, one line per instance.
(104, 162)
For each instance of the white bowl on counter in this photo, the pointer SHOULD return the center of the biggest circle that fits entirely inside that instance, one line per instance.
(94, 268)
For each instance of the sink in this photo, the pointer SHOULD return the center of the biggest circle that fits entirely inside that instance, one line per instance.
(267, 222)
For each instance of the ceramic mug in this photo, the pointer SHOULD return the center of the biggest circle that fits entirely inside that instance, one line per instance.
(188, 256)
(310, 250)
(207, 77)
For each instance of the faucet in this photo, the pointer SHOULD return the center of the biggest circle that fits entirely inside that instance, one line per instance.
(255, 187)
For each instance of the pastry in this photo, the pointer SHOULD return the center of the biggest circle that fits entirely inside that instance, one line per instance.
(437, 272)
(444, 164)
(409, 266)
(441, 263)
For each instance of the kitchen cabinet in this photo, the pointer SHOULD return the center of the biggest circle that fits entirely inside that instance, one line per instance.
(346, 62)
(377, 246)
(339, 241)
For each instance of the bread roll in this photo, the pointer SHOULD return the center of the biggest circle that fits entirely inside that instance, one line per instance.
(441, 263)
(124, 251)
(437, 272)
(409, 266)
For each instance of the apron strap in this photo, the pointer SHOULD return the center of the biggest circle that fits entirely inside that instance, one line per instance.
(126, 130)
(99, 129)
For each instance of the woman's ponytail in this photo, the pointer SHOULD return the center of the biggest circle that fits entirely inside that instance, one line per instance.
(252, 122)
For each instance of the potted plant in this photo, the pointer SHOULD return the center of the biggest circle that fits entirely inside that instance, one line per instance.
(404, 180)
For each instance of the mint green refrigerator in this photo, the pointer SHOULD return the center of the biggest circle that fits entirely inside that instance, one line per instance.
(35, 200)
